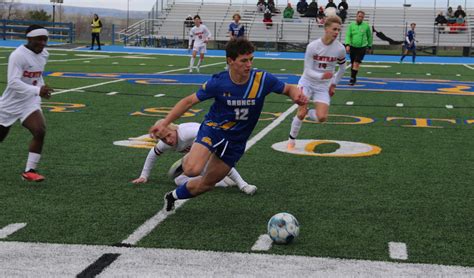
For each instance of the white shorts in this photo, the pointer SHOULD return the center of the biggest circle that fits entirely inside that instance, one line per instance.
(316, 93)
(200, 49)
(8, 119)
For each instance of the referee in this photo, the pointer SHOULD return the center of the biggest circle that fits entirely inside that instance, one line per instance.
(358, 39)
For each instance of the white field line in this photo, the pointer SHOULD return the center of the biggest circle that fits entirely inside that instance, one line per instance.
(112, 93)
(398, 250)
(263, 243)
(449, 106)
(350, 103)
(161, 215)
(21, 259)
(204, 66)
(159, 95)
(118, 80)
(399, 104)
(10, 229)
(468, 66)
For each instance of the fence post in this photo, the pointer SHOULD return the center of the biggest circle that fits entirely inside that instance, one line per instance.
(113, 34)
(4, 29)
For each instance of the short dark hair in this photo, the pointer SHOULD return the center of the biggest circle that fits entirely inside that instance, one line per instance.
(33, 27)
(196, 16)
(238, 46)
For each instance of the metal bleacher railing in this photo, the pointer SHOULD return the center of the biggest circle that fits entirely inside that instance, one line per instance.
(165, 26)
(15, 29)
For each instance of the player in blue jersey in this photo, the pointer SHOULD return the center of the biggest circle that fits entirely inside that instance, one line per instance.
(236, 29)
(410, 44)
(238, 96)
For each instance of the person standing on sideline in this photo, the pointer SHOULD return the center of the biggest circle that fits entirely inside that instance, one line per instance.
(21, 99)
(96, 26)
(358, 40)
(179, 138)
(318, 81)
(410, 44)
(239, 95)
(200, 35)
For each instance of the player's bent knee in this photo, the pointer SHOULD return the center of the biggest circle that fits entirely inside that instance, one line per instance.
(322, 119)
(191, 170)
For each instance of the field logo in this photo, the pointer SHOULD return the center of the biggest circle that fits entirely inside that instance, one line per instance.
(61, 107)
(140, 142)
(342, 148)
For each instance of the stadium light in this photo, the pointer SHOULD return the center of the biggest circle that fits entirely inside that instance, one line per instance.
(54, 7)
(128, 13)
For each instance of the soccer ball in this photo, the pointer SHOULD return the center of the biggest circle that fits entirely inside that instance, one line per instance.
(283, 228)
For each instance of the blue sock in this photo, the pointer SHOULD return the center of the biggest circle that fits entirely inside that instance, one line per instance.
(182, 192)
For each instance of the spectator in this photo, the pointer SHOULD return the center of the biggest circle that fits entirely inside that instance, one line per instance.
(96, 26)
(189, 22)
(321, 16)
(441, 22)
(342, 13)
(267, 18)
(450, 15)
(331, 4)
(288, 12)
(343, 5)
(312, 10)
(302, 6)
(272, 7)
(459, 12)
(460, 20)
(261, 6)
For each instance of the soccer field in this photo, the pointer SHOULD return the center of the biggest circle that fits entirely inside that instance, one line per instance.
(417, 190)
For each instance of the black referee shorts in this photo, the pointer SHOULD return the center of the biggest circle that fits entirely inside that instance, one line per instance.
(357, 54)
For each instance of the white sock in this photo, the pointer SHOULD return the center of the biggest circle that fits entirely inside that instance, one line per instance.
(295, 127)
(181, 179)
(235, 176)
(33, 159)
(312, 115)
(199, 63)
(221, 184)
(191, 63)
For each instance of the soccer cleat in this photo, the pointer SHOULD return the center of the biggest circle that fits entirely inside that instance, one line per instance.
(352, 82)
(249, 189)
(291, 144)
(190, 69)
(197, 69)
(169, 201)
(32, 175)
(176, 169)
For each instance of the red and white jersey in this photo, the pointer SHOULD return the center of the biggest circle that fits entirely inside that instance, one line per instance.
(200, 35)
(25, 78)
(320, 58)
(187, 132)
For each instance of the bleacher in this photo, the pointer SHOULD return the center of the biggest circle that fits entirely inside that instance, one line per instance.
(393, 22)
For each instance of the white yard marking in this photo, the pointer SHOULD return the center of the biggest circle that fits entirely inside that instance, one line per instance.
(282, 69)
(397, 250)
(161, 215)
(115, 63)
(87, 62)
(170, 65)
(187, 68)
(159, 95)
(400, 105)
(92, 55)
(21, 259)
(350, 103)
(369, 72)
(375, 66)
(10, 229)
(138, 57)
(449, 106)
(112, 93)
(398, 73)
(263, 243)
(58, 54)
(428, 74)
(468, 66)
(3, 57)
(142, 64)
(458, 75)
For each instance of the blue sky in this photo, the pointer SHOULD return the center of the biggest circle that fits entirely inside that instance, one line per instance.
(146, 5)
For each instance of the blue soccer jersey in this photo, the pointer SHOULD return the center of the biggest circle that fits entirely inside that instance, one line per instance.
(410, 39)
(237, 30)
(236, 108)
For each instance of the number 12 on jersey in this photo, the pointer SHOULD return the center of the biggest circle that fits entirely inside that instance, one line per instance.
(241, 113)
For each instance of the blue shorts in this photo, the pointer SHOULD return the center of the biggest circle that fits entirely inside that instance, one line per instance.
(228, 151)
(408, 47)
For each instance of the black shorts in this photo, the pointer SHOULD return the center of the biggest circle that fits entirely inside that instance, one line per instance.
(357, 54)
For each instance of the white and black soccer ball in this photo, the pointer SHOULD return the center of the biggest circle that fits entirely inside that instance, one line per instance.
(283, 228)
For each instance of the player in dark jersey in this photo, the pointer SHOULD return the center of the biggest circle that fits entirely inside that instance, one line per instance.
(410, 44)
(238, 96)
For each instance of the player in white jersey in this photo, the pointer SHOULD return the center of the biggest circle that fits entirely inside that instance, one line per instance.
(319, 79)
(21, 100)
(200, 35)
(179, 138)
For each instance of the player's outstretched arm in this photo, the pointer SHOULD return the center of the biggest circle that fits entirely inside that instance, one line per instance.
(295, 94)
(178, 110)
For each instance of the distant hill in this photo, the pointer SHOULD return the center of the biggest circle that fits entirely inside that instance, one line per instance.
(102, 12)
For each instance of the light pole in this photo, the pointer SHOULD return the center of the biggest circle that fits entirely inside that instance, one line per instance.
(128, 13)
